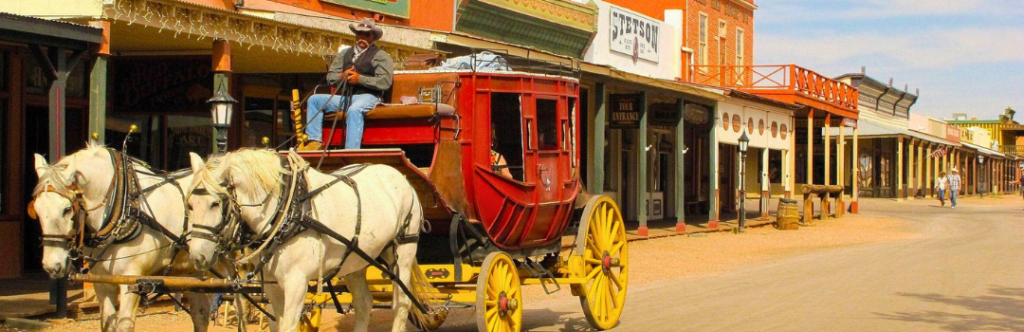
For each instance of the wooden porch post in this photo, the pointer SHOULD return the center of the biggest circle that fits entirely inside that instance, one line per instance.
(825, 140)
(596, 181)
(57, 67)
(810, 146)
(714, 210)
(98, 86)
(855, 204)
(680, 170)
(766, 186)
(841, 168)
(928, 168)
(920, 178)
(911, 163)
(899, 168)
(642, 206)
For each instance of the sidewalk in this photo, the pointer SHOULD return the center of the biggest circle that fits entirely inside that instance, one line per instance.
(694, 224)
(27, 297)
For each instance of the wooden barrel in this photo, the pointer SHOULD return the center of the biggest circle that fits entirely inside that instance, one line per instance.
(788, 215)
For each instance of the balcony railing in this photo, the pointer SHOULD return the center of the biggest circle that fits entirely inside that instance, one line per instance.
(771, 79)
(1012, 150)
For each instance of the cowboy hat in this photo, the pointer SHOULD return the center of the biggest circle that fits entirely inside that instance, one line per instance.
(367, 25)
(953, 169)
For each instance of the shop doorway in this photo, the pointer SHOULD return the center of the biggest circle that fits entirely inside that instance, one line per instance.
(36, 132)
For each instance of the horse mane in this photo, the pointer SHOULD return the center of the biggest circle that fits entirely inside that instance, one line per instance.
(259, 167)
(52, 177)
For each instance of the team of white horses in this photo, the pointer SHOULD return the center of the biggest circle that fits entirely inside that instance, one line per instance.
(85, 207)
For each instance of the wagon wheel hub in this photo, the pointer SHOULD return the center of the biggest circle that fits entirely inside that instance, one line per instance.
(608, 262)
(506, 305)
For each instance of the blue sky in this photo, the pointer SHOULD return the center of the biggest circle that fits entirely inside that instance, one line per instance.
(966, 56)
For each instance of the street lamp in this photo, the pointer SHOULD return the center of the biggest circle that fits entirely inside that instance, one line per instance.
(982, 174)
(221, 108)
(744, 141)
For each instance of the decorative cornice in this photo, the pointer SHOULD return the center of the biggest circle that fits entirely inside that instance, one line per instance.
(745, 4)
(579, 16)
(248, 30)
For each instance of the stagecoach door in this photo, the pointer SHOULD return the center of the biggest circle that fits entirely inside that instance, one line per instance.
(550, 148)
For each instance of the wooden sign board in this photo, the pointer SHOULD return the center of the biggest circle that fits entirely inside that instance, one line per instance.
(625, 111)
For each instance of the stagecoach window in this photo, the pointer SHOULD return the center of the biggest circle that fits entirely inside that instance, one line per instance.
(547, 124)
(507, 131)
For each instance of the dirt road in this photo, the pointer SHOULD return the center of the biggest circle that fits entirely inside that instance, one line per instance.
(964, 273)
(903, 266)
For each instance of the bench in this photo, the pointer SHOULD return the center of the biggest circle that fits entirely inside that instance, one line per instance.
(393, 122)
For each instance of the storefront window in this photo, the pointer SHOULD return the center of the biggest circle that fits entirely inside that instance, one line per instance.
(884, 165)
(258, 121)
(284, 123)
(188, 134)
(145, 144)
(866, 167)
(775, 166)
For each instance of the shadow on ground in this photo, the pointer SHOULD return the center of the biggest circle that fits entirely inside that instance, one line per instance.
(567, 321)
(998, 311)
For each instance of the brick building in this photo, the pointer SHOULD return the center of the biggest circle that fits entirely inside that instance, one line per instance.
(713, 32)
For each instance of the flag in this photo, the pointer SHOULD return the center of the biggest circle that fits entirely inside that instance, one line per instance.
(941, 152)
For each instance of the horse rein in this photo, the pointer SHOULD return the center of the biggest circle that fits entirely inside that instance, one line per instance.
(115, 217)
(231, 212)
(74, 194)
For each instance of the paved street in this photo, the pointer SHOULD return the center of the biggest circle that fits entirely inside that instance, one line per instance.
(963, 273)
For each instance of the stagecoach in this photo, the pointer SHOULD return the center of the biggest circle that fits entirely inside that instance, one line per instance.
(492, 231)
(491, 227)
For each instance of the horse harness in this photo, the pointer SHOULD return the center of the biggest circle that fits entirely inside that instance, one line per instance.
(124, 213)
(296, 218)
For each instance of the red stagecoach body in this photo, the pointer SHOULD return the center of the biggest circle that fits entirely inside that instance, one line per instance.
(443, 143)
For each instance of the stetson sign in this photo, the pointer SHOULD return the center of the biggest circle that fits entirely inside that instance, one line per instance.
(625, 111)
(634, 35)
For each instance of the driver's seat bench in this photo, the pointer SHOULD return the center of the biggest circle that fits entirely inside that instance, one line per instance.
(394, 123)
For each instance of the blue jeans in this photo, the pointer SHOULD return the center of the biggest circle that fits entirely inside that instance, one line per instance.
(361, 104)
(942, 196)
(952, 197)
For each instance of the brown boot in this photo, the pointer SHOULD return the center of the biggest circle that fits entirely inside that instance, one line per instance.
(310, 146)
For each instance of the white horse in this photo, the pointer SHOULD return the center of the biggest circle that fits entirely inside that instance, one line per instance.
(83, 182)
(250, 183)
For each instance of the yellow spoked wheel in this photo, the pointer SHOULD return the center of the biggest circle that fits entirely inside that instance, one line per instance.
(602, 241)
(499, 296)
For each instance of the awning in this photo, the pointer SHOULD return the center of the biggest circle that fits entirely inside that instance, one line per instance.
(984, 151)
(870, 129)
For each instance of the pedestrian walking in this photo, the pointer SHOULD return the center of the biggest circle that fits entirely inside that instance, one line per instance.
(954, 186)
(1020, 180)
(942, 184)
